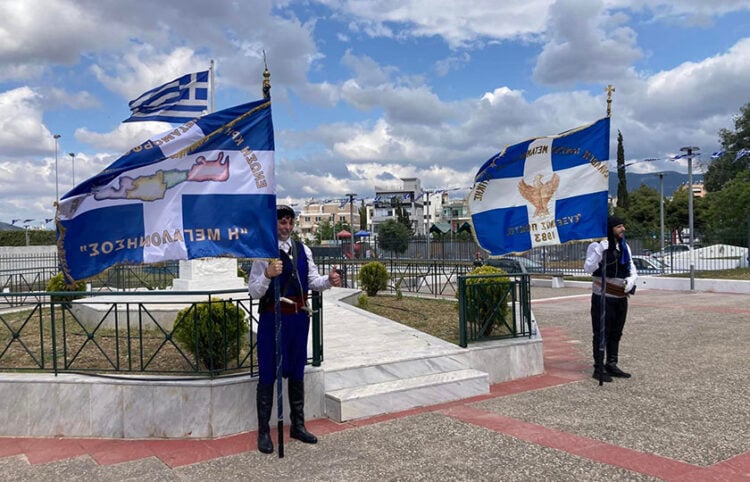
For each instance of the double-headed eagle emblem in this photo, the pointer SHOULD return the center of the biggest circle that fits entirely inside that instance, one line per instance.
(539, 193)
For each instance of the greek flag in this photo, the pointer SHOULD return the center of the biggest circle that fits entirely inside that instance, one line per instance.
(204, 189)
(178, 101)
(544, 191)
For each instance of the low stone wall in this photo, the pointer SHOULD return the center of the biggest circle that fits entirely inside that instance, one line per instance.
(682, 284)
(71, 405)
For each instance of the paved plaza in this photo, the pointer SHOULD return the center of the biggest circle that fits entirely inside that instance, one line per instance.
(683, 416)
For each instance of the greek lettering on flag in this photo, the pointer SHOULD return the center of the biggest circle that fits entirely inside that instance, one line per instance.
(177, 101)
(204, 189)
(544, 191)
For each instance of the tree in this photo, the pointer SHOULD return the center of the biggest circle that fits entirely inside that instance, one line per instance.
(393, 236)
(642, 213)
(325, 231)
(622, 184)
(727, 211)
(727, 166)
(677, 214)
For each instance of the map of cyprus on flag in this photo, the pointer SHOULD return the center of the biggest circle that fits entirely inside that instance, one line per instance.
(203, 189)
(544, 191)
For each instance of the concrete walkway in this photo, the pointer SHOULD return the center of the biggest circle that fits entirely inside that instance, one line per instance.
(685, 415)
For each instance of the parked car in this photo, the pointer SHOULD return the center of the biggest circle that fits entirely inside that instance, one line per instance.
(507, 264)
(531, 266)
(648, 265)
(671, 250)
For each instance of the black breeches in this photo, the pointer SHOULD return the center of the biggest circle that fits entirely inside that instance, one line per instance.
(616, 312)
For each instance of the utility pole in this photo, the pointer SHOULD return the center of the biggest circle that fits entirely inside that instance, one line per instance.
(691, 152)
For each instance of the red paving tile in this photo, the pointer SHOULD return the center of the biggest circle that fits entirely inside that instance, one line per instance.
(197, 452)
(235, 444)
(120, 451)
(564, 362)
(43, 451)
(10, 446)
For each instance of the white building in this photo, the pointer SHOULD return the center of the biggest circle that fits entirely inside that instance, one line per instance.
(308, 221)
(388, 199)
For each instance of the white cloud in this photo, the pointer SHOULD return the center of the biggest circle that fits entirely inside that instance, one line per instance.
(22, 131)
(76, 100)
(458, 23)
(585, 44)
(123, 138)
(143, 68)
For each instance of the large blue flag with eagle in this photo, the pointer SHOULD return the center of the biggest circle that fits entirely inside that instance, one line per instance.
(204, 189)
(543, 191)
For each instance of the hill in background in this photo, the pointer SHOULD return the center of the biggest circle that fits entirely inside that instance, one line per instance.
(672, 181)
(9, 227)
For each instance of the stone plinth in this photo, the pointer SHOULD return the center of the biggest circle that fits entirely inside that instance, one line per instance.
(208, 274)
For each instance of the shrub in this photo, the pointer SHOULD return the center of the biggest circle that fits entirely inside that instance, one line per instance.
(483, 295)
(363, 301)
(374, 277)
(212, 332)
(58, 283)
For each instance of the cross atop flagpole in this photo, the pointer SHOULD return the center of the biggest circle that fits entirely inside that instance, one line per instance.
(609, 89)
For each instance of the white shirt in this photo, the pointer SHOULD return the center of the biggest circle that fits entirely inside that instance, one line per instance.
(258, 283)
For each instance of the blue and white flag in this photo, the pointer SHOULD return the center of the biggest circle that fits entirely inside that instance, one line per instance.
(178, 101)
(718, 154)
(741, 153)
(543, 191)
(204, 189)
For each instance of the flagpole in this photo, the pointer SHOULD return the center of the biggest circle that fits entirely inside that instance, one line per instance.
(212, 98)
(603, 267)
(277, 311)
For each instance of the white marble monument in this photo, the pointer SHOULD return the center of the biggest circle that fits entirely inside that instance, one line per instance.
(207, 274)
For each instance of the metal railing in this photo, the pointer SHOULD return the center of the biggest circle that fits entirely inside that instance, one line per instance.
(132, 333)
(428, 278)
(494, 307)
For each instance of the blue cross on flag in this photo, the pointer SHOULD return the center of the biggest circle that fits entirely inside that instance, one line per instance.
(177, 101)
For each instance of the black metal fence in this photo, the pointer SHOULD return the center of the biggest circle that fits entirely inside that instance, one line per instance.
(133, 333)
(493, 307)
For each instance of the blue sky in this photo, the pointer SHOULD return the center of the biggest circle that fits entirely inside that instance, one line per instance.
(365, 91)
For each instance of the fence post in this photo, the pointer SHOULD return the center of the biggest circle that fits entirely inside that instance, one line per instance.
(317, 328)
(462, 335)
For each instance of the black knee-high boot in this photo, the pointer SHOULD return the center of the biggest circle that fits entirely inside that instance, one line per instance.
(297, 412)
(264, 404)
(599, 371)
(613, 348)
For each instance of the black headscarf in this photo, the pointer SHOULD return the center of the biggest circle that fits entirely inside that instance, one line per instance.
(612, 222)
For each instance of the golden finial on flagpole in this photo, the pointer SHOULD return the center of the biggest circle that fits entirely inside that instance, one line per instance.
(266, 79)
(609, 89)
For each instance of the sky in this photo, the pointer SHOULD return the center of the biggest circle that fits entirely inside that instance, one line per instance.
(366, 92)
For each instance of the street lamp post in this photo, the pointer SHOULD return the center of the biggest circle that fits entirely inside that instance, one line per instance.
(351, 221)
(351, 228)
(57, 189)
(691, 151)
(73, 164)
(427, 227)
(661, 218)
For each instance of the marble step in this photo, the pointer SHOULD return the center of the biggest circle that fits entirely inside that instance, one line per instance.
(385, 371)
(402, 394)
